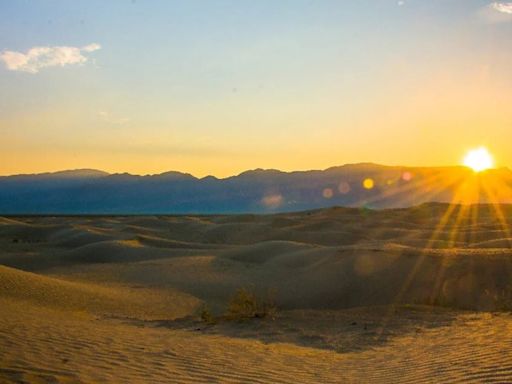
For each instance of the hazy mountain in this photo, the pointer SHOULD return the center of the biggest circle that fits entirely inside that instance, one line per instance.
(96, 192)
(68, 174)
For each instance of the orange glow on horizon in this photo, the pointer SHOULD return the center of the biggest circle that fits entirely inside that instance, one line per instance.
(479, 159)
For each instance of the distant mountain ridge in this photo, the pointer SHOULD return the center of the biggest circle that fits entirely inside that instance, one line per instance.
(71, 173)
(89, 191)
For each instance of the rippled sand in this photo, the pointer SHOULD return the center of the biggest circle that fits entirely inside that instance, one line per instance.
(363, 296)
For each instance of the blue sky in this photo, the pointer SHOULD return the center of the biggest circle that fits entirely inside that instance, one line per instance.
(222, 86)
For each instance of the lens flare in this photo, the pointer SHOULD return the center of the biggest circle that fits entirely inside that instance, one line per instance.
(479, 159)
(368, 183)
(344, 188)
(407, 176)
(327, 193)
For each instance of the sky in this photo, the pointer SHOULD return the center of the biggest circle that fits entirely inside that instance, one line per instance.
(218, 87)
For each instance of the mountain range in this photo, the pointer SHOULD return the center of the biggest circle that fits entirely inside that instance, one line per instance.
(88, 191)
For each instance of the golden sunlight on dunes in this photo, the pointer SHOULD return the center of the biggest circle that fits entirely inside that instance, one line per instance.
(351, 295)
(114, 300)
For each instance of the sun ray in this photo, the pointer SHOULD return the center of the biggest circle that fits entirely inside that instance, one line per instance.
(420, 188)
(421, 258)
(475, 217)
(500, 216)
(437, 230)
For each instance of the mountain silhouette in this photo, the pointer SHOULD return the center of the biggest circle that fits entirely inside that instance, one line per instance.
(88, 191)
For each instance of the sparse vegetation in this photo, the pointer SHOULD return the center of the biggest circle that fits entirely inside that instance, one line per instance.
(245, 304)
(503, 299)
(206, 315)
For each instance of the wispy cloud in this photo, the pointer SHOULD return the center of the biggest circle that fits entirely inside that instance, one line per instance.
(109, 118)
(37, 58)
(496, 12)
(502, 7)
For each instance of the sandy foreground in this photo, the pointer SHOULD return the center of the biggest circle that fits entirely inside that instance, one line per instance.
(390, 296)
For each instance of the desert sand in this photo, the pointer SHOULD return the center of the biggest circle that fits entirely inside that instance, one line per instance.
(405, 295)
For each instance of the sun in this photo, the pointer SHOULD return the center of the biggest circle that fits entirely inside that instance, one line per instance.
(479, 159)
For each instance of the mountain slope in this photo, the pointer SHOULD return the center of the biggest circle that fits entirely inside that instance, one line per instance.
(258, 191)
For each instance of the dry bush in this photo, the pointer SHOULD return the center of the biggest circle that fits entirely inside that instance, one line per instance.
(206, 315)
(245, 304)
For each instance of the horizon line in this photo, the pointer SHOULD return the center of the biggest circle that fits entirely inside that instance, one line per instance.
(245, 171)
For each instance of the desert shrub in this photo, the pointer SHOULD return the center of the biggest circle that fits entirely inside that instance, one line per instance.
(206, 315)
(245, 304)
(503, 299)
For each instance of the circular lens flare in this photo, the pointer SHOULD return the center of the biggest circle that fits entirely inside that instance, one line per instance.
(479, 159)
(368, 183)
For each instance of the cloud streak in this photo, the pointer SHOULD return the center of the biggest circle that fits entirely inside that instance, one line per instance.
(502, 7)
(108, 118)
(37, 58)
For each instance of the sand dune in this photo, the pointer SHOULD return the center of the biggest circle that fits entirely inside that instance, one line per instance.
(265, 251)
(359, 292)
(34, 289)
(44, 345)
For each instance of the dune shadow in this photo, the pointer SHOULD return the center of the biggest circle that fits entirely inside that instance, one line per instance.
(343, 331)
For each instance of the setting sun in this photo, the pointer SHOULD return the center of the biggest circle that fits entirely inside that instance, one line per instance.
(332, 175)
(479, 159)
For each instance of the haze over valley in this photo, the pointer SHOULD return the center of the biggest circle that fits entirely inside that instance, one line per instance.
(255, 191)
